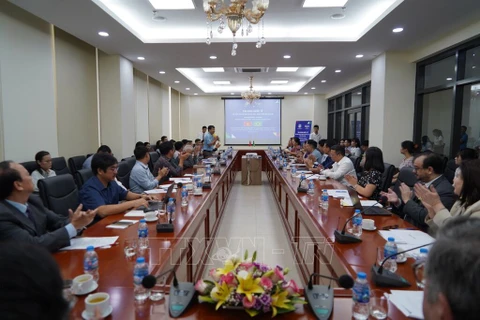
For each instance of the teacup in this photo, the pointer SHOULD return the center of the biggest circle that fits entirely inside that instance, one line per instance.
(150, 215)
(368, 224)
(323, 177)
(82, 283)
(98, 301)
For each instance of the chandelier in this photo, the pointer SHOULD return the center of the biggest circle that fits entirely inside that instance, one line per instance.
(251, 95)
(236, 16)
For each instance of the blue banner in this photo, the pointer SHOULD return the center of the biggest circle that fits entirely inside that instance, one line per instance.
(303, 130)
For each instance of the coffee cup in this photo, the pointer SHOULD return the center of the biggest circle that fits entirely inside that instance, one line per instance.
(368, 224)
(98, 301)
(150, 215)
(323, 177)
(82, 283)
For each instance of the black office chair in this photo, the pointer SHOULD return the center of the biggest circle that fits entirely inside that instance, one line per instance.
(59, 193)
(356, 164)
(30, 166)
(387, 176)
(407, 176)
(153, 158)
(81, 176)
(129, 158)
(445, 161)
(124, 169)
(89, 154)
(76, 163)
(450, 170)
(59, 165)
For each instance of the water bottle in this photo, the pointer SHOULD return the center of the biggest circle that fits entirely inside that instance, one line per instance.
(184, 196)
(357, 224)
(143, 235)
(171, 209)
(325, 199)
(139, 271)
(303, 181)
(420, 269)
(293, 172)
(90, 263)
(390, 249)
(208, 174)
(285, 164)
(311, 187)
(361, 297)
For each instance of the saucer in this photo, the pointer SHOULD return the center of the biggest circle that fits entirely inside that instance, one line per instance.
(106, 314)
(92, 288)
(151, 219)
(403, 260)
(369, 229)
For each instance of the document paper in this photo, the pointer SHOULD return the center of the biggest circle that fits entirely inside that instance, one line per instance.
(83, 242)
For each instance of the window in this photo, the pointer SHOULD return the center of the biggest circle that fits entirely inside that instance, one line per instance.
(471, 115)
(440, 73)
(472, 63)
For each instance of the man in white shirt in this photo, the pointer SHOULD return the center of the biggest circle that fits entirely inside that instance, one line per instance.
(341, 167)
(315, 135)
(202, 134)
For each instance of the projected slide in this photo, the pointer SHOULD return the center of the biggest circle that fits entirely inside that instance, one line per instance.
(246, 123)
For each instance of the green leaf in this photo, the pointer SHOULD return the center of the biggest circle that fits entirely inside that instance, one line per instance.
(296, 300)
(285, 310)
(254, 256)
(286, 271)
(245, 256)
(209, 282)
(205, 299)
(252, 312)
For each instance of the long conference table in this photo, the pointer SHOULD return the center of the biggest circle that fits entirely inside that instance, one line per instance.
(309, 230)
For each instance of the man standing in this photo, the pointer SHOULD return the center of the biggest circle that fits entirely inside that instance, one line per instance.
(341, 167)
(209, 142)
(25, 219)
(429, 171)
(463, 138)
(202, 134)
(315, 135)
(166, 161)
(141, 179)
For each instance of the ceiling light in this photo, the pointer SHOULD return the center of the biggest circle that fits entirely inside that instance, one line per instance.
(358, 56)
(213, 57)
(279, 81)
(188, 89)
(162, 72)
(306, 93)
(313, 88)
(232, 93)
(323, 81)
(158, 17)
(195, 94)
(141, 58)
(324, 3)
(251, 95)
(474, 67)
(287, 56)
(177, 81)
(338, 71)
(397, 30)
(103, 34)
(217, 69)
(287, 69)
(449, 79)
(221, 82)
(337, 16)
(172, 5)
(359, 93)
(269, 93)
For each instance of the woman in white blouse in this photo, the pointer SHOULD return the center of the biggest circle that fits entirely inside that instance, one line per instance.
(355, 148)
(438, 144)
(44, 168)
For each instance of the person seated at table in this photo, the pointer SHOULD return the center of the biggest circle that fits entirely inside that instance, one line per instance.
(178, 149)
(407, 148)
(466, 154)
(194, 155)
(147, 144)
(347, 143)
(428, 169)
(23, 218)
(289, 145)
(451, 274)
(87, 164)
(102, 193)
(355, 148)
(44, 168)
(296, 146)
(363, 148)
(311, 150)
(370, 180)
(341, 167)
(164, 139)
(141, 179)
(466, 185)
(32, 286)
(166, 161)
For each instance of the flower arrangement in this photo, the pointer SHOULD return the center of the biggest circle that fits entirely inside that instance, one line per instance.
(255, 287)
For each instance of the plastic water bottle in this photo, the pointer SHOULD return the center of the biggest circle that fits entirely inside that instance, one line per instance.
(390, 249)
(90, 263)
(139, 271)
(171, 209)
(303, 181)
(142, 235)
(208, 174)
(420, 270)
(357, 224)
(361, 297)
(311, 187)
(184, 196)
(325, 199)
(293, 172)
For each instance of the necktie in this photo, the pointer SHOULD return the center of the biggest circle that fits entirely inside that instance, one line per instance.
(30, 216)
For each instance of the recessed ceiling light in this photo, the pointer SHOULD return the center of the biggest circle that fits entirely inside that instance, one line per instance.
(215, 69)
(338, 71)
(474, 67)
(337, 16)
(397, 30)
(177, 81)
(358, 56)
(172, 5)
(313, 88)
(279, 81)
(157, 16)
(103, 34)
(213, 57)
(141, 58)
(187, 89)
(221, 82)
(287, 69)
(287, 56)
(324, 3)
(449, 79)
(195, 94)
(323, 81)
(269, 93)
(232, 93)
(359, 93)
(306, 93)
(162, 72)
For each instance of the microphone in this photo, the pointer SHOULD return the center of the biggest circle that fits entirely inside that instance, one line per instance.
(180, 296)
(299, 188)
(320, 297)
(343, 238)
(385, 278)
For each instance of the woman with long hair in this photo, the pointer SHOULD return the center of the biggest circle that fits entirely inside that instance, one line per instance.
(369, 183)
(44, 168)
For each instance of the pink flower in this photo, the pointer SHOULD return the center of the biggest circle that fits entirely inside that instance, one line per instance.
(277, 275)
(247, 266)
(266, 283)
(229, 279)
(201, 286)
(249, 304)
(213, 273)
(291, 287)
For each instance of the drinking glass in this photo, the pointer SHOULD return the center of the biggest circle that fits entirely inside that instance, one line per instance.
(130, 247)
(157, 293)
(378, 304)
(381, 257)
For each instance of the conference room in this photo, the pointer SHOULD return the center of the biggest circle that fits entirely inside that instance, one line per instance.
(89, 80)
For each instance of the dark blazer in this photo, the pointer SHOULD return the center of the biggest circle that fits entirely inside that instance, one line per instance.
(48, 231)
(414, 211)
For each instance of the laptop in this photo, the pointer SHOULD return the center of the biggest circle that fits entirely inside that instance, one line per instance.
(369, 211)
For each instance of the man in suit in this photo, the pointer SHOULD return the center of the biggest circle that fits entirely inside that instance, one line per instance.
(428, 169)
(23, 218)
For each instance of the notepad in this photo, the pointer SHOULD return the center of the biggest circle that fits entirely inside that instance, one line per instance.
(83, 242)
(408, 239)
(155, 191)
(121, 224)
(135, 214)
(408, 302)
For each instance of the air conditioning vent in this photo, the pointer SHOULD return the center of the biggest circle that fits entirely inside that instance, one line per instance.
(251, 70)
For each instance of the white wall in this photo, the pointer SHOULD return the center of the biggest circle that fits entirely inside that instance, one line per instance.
(175, 114)
(157, 101)
(140, 81)
(27, 85)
